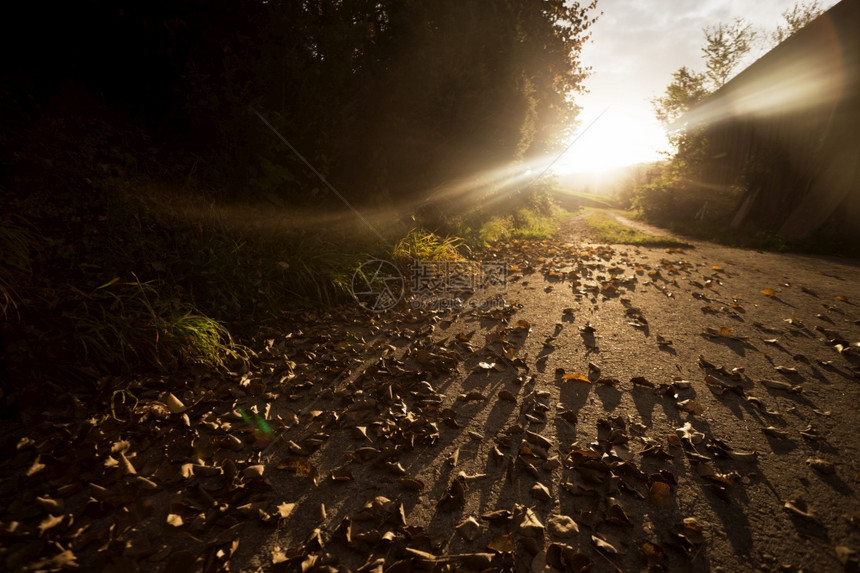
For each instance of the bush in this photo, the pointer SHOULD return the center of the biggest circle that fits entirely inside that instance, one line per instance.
(656, 201)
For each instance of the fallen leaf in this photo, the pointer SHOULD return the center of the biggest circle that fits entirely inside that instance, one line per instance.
(775, 432)
(742, 456)
(786, 369)
(768, 292)
(660, 494)
(503, 544)
(602, 545)
(800, 509)
(690, 530)
(410, 483)
(497, 517)
(254, 472)
(52, 506)
(562, 557)
(174, 519)
(530, 525)
(691, 407)
(507, 396)
(688, 433)
(454, 497)
(653, 552)
(540, 491)
(780, 385)
(174, 404)
(341, 474)
(127, 468)
(285, 509)
(469, 529)
(562, 526)
(49, 522)
(470, 477)
(822, 466)
(615, 515)
(847, 557)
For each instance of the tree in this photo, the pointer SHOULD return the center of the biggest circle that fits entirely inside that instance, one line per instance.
(687, 88)
(462, 86)
(725, 47)
(801, 14)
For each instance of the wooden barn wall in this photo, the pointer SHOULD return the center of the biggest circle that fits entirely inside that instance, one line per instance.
(774, 159)
(791, 171)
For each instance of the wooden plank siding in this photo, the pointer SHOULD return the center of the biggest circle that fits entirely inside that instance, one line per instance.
(784, 135)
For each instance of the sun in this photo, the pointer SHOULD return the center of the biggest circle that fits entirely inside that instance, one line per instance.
(611, 140)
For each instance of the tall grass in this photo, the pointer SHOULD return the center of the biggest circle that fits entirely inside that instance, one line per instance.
(128, 324)
(16, 243)
(420, 245)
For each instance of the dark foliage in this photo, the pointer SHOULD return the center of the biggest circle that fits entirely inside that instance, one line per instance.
(385, 98)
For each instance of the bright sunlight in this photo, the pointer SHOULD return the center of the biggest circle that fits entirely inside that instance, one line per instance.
(614, 139)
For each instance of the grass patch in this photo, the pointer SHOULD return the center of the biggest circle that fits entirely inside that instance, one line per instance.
(573, 200)
(607, 229)
(16, 243)
(127, 325)
(524, 223)
(421, 245)
(134, 280)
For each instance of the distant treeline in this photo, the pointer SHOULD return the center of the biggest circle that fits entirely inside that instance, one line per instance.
(387, 98)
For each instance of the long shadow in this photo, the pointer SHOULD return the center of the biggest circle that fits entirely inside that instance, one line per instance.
(830, 368)
(667, 349)
(794, 397)
(779, 300)
(574, 395)
(736, 525)
(780, 446)
(739, 347)
(645, 400)
(609, 395)
(735, 403)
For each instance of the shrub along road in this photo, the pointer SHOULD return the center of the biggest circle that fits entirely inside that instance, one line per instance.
(614, 406)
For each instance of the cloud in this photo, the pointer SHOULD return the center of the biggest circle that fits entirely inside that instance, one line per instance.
(637, 44)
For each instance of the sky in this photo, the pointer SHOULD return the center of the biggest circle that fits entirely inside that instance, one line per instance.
(636, 45)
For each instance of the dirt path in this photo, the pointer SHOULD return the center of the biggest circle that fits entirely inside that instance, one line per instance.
(646, 228)
(612, 460)
(612, 406)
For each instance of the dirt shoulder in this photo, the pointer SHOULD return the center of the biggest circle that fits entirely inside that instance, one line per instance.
(612, 406)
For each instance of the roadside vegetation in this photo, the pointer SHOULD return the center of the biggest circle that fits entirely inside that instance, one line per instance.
(674, 196)
(141, 278)
(606, 228)
(173, 197)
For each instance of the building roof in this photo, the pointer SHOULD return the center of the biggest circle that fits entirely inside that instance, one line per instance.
(813, 67)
